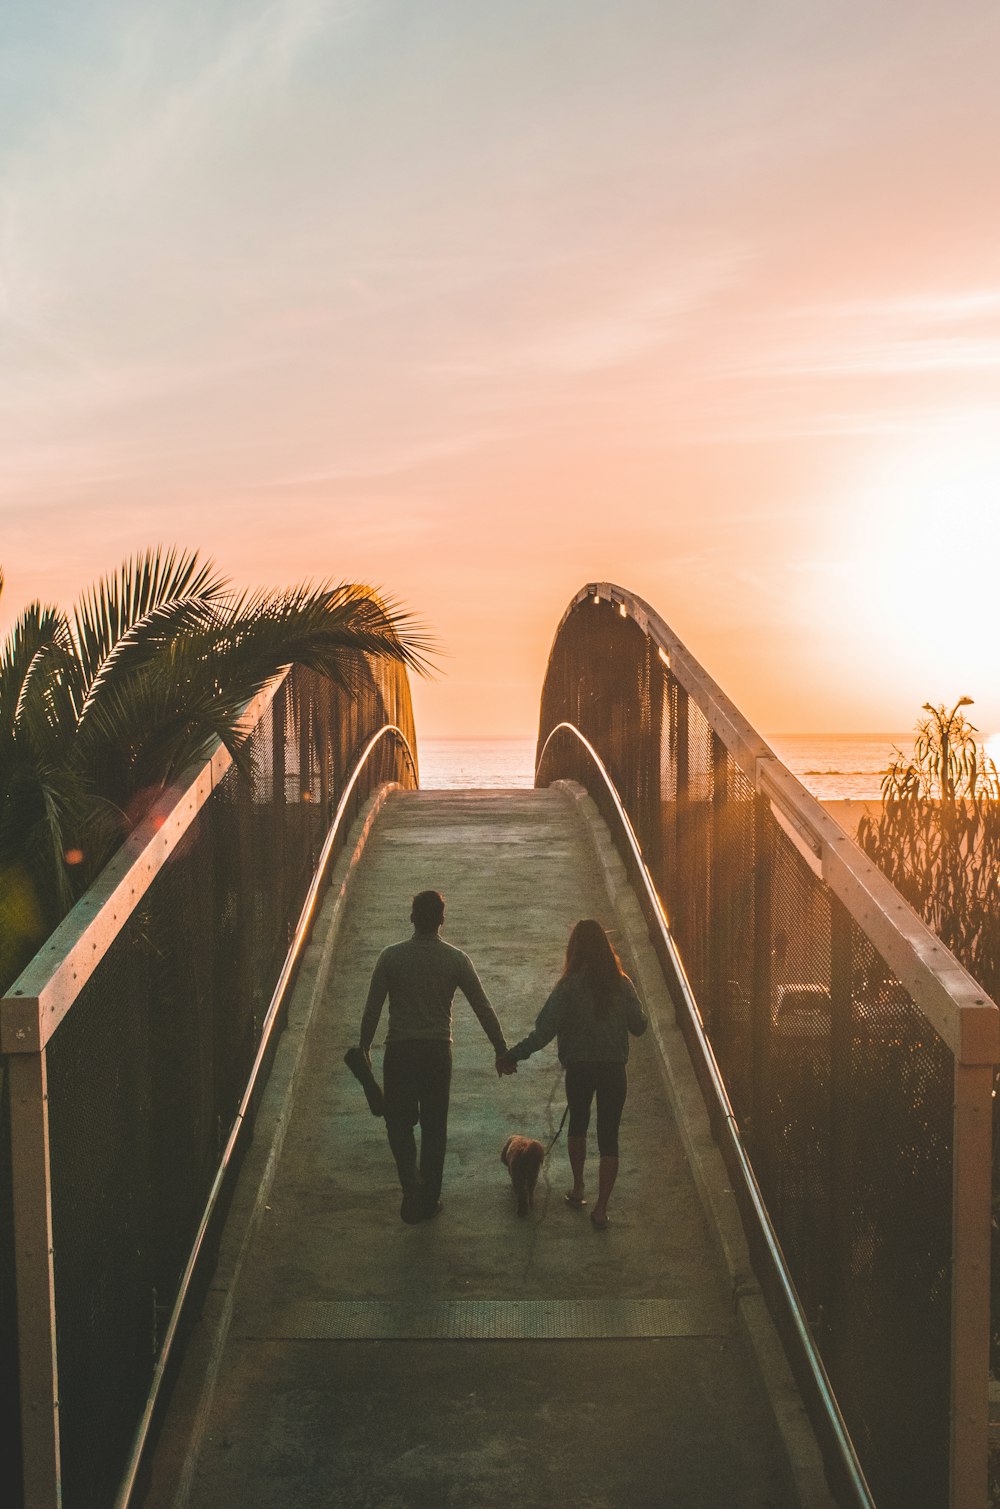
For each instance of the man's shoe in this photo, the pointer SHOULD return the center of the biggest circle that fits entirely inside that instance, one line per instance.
(413, 1206)
(430, 1211)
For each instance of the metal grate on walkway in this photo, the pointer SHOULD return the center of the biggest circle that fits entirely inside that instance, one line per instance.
(482, 1320)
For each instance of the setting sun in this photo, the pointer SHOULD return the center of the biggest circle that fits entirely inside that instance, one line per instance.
(907, 582)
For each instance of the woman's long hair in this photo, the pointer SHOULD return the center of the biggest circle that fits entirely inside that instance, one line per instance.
(589, 953)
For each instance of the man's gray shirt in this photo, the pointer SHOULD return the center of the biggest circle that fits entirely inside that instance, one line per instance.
(420, 978)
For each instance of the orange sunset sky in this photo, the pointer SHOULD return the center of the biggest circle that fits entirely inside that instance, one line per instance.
(479, 301)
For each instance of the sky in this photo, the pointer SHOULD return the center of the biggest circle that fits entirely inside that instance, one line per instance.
(479, 302)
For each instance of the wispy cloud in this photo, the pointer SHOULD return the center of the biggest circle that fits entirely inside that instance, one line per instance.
(248, 55)
(112, 214)
(643, 319)
(922, 332)
(885, 358)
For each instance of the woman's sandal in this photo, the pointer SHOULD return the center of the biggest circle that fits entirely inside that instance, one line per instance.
(600, 1223)
(571, 1199)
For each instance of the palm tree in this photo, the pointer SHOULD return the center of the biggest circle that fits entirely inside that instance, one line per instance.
(937, 837)
(100, 710)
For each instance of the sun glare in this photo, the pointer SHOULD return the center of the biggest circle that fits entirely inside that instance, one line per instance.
(925, 560)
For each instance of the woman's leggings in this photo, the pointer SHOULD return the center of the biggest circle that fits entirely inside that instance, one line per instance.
(610, 1084)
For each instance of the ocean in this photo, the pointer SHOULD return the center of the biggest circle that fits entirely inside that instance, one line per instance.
(834, 767)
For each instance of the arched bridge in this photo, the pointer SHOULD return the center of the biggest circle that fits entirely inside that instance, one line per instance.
(207, 1297)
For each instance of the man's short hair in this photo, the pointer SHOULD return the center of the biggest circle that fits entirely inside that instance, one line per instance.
(427, 912)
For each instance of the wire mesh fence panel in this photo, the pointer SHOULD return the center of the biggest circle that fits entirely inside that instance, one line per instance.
(729, 1012)
(691, 897)
(842, 1088)
(101, 1126)
(886, 1328)
(150, 1066)
(791, 1127)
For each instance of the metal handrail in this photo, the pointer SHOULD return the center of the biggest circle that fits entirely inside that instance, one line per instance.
(845, 1446)
(954, 1003)
(38, 1000)
(271, 1017)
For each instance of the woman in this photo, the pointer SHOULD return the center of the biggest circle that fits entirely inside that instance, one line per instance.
(591, 1012)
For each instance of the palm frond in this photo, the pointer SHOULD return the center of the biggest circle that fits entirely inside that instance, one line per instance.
(37, 635)
(148, 727)
(146, 641)
(154, 711)
(100, 711)
(69, 827)
(324, 627)
(44, 810)
(110, 608)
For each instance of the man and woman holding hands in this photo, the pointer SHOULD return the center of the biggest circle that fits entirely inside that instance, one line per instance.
(591, 1012)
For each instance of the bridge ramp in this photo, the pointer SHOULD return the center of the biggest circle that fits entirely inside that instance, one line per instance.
(479, 1360)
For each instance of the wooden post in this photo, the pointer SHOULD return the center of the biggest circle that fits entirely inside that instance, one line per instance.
(970, 1284)
(36, 1298)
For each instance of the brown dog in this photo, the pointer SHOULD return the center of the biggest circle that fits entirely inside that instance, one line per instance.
(523, 1157)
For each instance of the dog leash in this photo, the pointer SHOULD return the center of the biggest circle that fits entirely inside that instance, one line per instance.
(558, 1130)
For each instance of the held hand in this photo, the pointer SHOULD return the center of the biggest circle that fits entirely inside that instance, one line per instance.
(506, 1064)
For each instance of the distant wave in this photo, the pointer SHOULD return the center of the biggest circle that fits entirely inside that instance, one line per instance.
(460, 763)
(843, 772)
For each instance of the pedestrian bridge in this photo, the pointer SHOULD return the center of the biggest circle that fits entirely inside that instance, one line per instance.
(207, 1297)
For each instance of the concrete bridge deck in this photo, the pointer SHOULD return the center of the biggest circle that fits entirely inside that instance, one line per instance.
(476, 1360)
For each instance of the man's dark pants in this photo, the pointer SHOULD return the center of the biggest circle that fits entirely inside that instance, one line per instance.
(417, 1075)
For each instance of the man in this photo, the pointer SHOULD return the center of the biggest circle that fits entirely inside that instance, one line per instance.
(420, 977)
